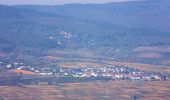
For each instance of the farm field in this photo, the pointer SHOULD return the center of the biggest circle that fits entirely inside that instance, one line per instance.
(97, 63)
(116, 90)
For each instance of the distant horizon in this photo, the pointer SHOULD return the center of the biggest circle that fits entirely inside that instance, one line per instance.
(58, 2)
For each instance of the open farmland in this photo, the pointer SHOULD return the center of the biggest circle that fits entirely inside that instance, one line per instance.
(96, 63)
(89, 91)
(79, 58)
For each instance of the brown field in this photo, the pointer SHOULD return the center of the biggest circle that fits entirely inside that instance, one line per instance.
(22, 71)
(147, 67)
(166, 62)
(152, 49)
(2, 54)
(96, 63)
(83, 58)
(150, 55)
(144, 52)
(78, 64)
(112, 90)
(52, 58)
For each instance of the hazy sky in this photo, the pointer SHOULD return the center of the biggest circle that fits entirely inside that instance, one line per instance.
(54, 2)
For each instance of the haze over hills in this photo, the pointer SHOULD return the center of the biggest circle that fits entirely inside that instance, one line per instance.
(135, 31)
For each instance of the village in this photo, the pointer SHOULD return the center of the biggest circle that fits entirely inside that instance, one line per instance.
(90, 72)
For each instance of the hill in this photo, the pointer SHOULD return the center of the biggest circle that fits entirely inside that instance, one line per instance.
(44, 35)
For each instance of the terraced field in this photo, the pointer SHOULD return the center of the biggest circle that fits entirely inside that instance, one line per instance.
(89, 91)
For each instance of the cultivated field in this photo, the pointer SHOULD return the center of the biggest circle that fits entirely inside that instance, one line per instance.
(95, 63)
(89, 91)
(153, 54)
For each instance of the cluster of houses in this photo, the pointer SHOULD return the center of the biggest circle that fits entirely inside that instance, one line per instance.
(115, 73)
(112, 72)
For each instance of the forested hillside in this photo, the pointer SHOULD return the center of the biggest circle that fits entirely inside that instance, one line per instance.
(136, 31)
